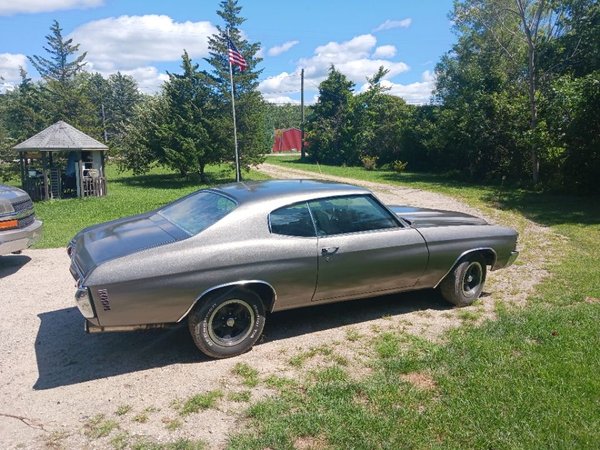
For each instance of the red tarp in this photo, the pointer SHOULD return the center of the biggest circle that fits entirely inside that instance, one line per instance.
(287, 140)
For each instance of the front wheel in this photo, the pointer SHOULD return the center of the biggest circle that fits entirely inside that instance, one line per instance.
(228, 323)
(464, 284)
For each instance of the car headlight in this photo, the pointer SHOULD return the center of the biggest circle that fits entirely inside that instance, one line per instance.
(6, 208)
(84, 302)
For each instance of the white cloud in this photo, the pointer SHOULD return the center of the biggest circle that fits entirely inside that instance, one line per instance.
(418, 93)
(279, 49)
(149, 79)
(275, 98)
(10, 7)
(385, 51)
(352, 58)
(391, 24)
(130, 42)
(9, 69)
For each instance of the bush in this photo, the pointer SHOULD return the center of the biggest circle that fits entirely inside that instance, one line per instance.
(399, 166)
(369, 162)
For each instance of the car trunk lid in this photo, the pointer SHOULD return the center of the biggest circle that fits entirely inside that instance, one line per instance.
(111, 240)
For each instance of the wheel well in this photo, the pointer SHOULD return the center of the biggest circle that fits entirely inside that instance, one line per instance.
(264, 290)
(488, 255)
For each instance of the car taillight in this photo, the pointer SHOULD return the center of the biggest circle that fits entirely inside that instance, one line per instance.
(9, 224)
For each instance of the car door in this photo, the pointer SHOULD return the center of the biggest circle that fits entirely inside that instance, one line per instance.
(363, 249)
(293, 271)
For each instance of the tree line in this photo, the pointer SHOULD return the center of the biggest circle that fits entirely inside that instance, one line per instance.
(516, 99)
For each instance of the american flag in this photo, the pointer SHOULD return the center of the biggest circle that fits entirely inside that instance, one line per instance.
(235, 57)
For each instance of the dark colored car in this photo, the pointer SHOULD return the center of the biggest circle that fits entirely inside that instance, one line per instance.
(223, 257)
(19, 228)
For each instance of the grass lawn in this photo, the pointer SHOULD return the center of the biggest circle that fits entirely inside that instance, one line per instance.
(529, 379)
(127, 195)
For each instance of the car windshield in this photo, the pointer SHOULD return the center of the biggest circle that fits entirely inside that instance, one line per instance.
(198, 211)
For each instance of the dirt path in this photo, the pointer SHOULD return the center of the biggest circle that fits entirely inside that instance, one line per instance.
(61, 388)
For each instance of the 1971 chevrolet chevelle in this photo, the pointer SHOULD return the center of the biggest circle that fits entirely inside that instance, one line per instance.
(223, 257)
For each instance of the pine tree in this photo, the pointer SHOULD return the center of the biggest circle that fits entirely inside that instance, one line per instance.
(253, 136)
(57, 66)
(186, 142)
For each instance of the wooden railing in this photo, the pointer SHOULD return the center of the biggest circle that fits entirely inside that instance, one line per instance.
(93, 186)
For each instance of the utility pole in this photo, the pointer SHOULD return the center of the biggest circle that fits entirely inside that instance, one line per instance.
(104, 124)
(302, 154)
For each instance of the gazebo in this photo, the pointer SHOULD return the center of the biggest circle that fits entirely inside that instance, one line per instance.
(62, 162)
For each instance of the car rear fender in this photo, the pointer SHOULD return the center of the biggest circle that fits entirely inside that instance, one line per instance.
(488, 253)
(263, 289)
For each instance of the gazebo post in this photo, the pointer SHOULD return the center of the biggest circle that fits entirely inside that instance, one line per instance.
(22, 167)
(45, 174)
(80, 177)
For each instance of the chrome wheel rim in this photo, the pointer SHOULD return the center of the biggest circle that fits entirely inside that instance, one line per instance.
(231, 322)
(473, 278)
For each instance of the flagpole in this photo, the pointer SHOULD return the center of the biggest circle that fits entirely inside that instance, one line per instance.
(238, 173)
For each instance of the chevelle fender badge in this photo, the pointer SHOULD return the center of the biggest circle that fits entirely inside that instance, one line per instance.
(103, 293)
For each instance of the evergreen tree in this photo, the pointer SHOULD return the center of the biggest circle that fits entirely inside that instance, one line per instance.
(64, 94)
(253, 136)
(62, 64)
(329, 128)
(185, 133)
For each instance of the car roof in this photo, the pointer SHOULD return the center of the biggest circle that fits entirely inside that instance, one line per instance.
(293, 190)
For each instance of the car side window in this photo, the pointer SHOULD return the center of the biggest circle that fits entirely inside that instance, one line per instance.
(292, 220)
(350, 214)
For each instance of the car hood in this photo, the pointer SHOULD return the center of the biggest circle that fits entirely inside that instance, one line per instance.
(423, 217)
(100, 243)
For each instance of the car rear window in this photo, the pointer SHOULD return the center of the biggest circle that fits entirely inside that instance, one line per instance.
(198, 211)
(293, 220)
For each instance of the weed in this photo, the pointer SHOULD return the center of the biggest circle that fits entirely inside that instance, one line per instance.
(352, 335)
(98, 426)
(120, 441)
(240, 397)
(172, 424)
(123, 409)
(199, 402)
(248, 374)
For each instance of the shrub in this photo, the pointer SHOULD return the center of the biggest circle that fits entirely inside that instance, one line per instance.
(369, 162)
(399, 166)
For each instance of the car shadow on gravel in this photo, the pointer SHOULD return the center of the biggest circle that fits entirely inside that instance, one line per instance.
(66, 355)
(10, 264)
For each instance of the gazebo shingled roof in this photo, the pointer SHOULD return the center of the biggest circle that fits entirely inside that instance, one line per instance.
(60, 137)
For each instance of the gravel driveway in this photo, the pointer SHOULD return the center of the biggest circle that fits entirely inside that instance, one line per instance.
(61, 388)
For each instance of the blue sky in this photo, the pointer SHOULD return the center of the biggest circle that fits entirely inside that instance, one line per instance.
(146, 38)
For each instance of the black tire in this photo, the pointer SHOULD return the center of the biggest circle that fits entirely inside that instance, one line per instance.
(463, 285)
(228, 323)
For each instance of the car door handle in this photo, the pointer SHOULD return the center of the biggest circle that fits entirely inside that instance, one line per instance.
(328, 251)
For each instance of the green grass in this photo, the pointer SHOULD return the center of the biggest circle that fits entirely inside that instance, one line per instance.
(528, 379)
(200, 402)
(248, 374)
(127, 195)
(99, 426)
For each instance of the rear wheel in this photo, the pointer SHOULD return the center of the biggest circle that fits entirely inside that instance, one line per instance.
(464, 284)
(227, 323)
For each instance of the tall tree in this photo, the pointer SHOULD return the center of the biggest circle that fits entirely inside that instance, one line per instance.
(63, 62)
(64, 93)
(185, 134)
(253, 136)
(329, 128)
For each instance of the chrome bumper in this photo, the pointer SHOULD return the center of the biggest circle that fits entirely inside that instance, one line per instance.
(513, 255)
(20, 239)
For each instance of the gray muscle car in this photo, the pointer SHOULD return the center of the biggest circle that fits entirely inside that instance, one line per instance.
(222, 258)
(19, 229)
